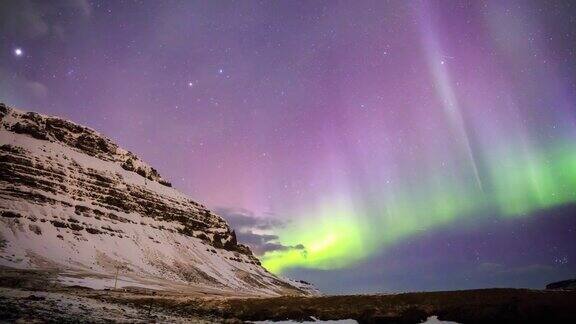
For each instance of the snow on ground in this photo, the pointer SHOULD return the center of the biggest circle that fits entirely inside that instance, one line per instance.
(31, 306)
(435, 320)
(429, 320)
(106, 283)
(344, 321)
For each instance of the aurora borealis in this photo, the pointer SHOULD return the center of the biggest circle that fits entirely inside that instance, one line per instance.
(339, 132)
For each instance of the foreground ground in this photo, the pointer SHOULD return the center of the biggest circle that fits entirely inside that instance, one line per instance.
(34, 296)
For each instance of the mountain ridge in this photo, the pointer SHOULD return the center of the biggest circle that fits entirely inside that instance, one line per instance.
(72, 199)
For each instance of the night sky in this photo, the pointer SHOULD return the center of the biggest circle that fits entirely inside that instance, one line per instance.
(364, 146)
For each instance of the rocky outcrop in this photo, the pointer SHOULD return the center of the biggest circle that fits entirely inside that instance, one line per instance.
(70, 197)
(73, 135)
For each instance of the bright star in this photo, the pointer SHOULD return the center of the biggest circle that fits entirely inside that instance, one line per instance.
(18, 51)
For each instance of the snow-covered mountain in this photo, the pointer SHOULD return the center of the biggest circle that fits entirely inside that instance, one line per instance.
(74, 201)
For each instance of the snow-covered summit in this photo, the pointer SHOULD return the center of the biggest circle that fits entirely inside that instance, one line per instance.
(72, 200)
(82, 138)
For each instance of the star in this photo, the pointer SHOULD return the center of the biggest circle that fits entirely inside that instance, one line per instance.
(18, 52)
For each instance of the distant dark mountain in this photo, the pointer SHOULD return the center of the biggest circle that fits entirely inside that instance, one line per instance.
(563, 285)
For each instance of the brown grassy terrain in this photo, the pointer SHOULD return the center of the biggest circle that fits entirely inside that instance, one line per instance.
(470, 306)
(141, 305)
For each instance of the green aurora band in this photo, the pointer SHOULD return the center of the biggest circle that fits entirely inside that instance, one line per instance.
(483, 138)
(336, 235)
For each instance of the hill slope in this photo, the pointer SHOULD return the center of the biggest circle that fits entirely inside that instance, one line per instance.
(72, 200)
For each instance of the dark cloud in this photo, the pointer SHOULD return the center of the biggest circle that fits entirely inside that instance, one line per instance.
(15, 86)
(241, 218)
(245, 223)
(28, 25)
(269, 247)
(251, 238)
(35, 19)
(279, 247)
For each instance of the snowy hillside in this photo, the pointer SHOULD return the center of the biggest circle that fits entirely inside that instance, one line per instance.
(72, 200)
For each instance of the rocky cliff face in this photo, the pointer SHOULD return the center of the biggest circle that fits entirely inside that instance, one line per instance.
(71, 199)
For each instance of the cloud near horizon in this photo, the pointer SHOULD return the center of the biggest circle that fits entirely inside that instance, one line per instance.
(255, 231)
